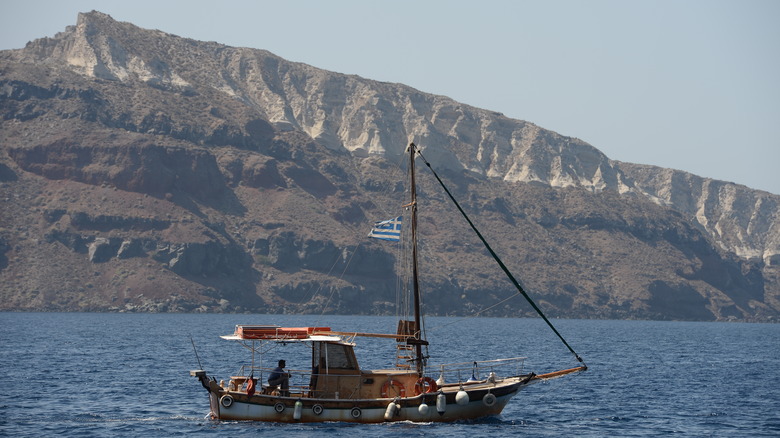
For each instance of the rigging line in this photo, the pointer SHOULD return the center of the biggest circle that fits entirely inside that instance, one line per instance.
(353, 232)
(332, 267)
(476, 314)
(348, 228)
(399, 166)
(396, 167)
(344, 271)
(306, 298)
(498, 260)
(403, 260)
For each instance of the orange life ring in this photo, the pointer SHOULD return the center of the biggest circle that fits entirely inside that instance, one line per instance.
(425, 385)
(398, 389)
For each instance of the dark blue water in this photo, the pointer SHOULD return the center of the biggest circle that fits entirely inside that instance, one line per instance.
(128, 375)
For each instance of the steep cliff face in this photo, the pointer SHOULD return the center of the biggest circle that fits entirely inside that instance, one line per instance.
(742, 220)
(367, 117)
(144, 171)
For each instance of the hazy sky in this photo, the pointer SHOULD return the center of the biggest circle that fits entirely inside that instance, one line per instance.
(687, 84)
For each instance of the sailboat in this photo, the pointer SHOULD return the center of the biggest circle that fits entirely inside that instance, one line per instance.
(336, 388)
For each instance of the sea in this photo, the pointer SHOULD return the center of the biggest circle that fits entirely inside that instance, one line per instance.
(121, 374)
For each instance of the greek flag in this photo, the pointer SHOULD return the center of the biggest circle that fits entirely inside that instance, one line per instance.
(387, 230)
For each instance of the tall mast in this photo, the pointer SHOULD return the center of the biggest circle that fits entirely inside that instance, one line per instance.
(418, 341)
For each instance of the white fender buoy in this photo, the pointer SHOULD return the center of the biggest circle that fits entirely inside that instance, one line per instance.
(462, 398)
(423, 409)
(489, 399)
(297, 410)
(390, 411)
(440, 380)
(441, 403)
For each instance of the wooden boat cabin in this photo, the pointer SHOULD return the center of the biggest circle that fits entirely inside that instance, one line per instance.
(335, 372)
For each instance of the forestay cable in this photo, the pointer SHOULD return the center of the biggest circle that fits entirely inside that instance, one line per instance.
(498, 260)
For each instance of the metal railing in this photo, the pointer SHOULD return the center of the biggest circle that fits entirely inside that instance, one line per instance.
(462, 372)
(301, 381)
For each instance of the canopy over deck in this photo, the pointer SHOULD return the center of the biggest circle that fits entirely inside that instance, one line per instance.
(283, 334)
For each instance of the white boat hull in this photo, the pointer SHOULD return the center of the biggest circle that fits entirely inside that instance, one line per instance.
(238, 406)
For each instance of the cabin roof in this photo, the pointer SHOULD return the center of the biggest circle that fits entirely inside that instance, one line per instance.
(282, 334)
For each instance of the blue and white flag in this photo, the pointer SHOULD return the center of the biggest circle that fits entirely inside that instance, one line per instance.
(387, 230)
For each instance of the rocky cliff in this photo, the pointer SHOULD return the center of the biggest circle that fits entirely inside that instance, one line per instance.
(144, 171)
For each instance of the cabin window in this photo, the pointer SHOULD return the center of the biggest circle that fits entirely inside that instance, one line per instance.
(339, 356)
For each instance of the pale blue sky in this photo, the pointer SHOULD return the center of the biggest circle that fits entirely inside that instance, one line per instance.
(687, 84)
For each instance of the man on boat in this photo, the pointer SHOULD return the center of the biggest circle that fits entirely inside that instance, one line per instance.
(280, 378)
